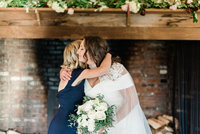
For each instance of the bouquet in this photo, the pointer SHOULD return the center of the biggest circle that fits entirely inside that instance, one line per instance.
(94, 114)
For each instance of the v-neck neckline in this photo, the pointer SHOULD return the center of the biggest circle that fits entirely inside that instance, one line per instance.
(94, 85)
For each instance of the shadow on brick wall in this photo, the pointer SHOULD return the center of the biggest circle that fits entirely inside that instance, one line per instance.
(49, 58)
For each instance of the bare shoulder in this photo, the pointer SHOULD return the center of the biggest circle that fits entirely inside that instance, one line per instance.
(62, 85)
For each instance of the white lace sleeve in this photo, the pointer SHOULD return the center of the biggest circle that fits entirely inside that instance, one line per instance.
(114, 73)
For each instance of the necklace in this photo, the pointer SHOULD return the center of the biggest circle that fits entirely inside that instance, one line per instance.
(92, 66)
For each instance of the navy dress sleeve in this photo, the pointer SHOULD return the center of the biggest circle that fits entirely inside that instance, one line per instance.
(68, 98)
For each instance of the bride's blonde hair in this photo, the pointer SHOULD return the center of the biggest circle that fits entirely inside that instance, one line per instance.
(70, 56)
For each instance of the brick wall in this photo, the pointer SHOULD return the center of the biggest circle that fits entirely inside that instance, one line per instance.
(29, 76)
(22, 94)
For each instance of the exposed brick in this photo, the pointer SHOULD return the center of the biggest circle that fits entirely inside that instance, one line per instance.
(153, 89)
(19, 65)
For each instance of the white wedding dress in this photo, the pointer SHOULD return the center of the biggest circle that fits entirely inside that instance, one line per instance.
(118, 89)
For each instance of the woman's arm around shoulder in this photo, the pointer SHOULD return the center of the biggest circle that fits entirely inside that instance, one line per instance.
(96, 72)
(99, 71)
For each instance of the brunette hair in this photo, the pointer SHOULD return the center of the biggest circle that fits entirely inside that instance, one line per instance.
(96, 47)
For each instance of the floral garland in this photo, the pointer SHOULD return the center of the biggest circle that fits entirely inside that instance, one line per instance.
(134, 6)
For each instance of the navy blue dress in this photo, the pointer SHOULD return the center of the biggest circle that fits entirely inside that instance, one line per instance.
(67, 98)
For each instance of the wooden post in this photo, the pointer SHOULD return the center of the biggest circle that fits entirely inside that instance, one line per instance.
(38, 16)
(128, 17)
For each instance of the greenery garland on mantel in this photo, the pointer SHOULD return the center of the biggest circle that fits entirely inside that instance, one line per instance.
(135, 6)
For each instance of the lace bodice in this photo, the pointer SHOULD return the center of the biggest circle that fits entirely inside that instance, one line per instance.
(114, 73)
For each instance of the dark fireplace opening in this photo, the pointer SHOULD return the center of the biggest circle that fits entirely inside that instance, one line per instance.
(187, 87)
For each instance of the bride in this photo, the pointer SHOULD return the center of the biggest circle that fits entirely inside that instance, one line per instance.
(117, 87)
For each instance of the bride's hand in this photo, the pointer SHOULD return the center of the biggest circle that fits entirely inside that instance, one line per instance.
(101, 130)
(65, 74)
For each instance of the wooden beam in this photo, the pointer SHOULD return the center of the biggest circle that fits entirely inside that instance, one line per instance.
(157, 24)
(51, 18)
(38, 17)
(61, 32)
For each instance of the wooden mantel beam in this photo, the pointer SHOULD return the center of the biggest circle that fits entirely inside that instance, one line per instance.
(63, 32)
(158, 24)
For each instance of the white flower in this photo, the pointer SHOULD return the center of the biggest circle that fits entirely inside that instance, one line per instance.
(102, 7)
(87, 106)
(84, 117)
(133, 6)
(100, 115)
(8, 1)
(83, 122)
(80, 108)
(55, 5)
(124, 7)
(189, 1)
(91, 114)
(3, 4)
(65, 6)
(173, 2)
(96, 102)
(102, 107)
(94, 1)
(35, 2)
(79, 131)
(173, 7)
(158, 1)
(49, 3)
(57, 8)
(178, 2)
(91, 125)
(199, 2)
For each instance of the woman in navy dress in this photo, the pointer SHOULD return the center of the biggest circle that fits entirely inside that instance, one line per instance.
(68, 96)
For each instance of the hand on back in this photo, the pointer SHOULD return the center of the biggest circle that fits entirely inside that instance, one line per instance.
(65, 74)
